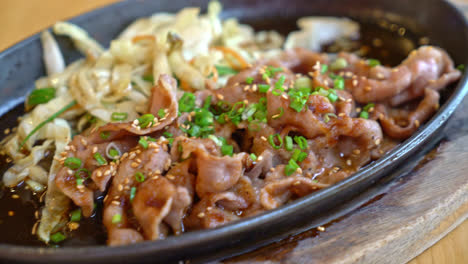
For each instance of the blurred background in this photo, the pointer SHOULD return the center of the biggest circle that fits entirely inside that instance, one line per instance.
(21, 18)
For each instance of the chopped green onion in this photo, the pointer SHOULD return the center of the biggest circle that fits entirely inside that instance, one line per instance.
(167, 134)
(288, 143)
(224, 70)
(368, 107)
(72, 163)
(41, 96)
(75, 216)
(364, 115)
(271, 71)
(461, 67)
(203, 117)
(332, 97)
(324, 68)
(271, 140)
(302, 82)
(373, 62)
(57, 237)
(187, 102)
(139, 177)
(263, 88)
(43, 123)
(253, 156)
(295, 154)
(298, 98)
(302, 156)
(104, 134)
(339, 83)
(143, 142)
(119, 116)
(145, 120)
(227, 150)
(99, 158)
(79, 179)
(338, 64)
(161, 113)
(207, 102)
(216, 140)
(91, 119)
(298, 155)
(221, 118)
(223, 106)
(277, 91)
(322, 91)
(280, 114)
(132, 193)
(301, 142)
(148, 78)
(236, 112)
(249, 112)
(326, 117)
(170, 141)
(279, 86)
(291, 167)
(79, 182)
(113, 153)
(249, 80)
(116, 218)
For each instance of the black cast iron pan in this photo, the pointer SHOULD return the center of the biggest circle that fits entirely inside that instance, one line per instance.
(435, 19)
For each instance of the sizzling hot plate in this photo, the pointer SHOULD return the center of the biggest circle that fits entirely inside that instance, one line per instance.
(436, 19)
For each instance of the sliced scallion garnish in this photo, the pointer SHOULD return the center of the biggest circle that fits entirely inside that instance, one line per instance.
(75, 215)
(99, 158)
(117, 218)
(119, 116)
(57, 237)
(43, 123)
(291, 167)
(72, 163)
(271, 140)
(139, 177)
(225, 70)
(41, 96)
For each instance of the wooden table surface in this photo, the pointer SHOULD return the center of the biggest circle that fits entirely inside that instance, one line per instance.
(21, 18)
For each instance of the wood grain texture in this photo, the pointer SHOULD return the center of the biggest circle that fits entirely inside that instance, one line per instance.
(21, 18)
